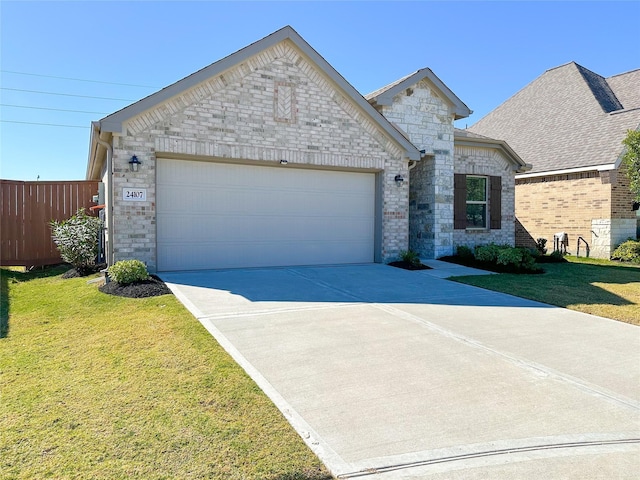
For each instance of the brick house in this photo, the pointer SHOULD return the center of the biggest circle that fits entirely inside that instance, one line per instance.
(569, 123)
(269, 157)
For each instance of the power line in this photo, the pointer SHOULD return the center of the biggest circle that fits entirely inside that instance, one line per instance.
(66, 94)
(45, 124)
(77, 79)
(52, 109)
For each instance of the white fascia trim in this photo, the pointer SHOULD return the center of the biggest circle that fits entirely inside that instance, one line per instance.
(599, 168)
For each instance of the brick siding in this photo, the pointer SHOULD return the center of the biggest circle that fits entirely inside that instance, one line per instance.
(577, 204)
(488, 162)
(275, 105)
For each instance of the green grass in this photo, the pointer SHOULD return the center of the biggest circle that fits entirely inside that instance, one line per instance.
(96, 386)
(600, 287)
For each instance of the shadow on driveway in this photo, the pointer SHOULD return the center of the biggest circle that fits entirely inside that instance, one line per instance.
(370, 283)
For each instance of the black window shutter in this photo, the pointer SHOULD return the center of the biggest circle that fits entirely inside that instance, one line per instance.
(495, 203)
(459, 201)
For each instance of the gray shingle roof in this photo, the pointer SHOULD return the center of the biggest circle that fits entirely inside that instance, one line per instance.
(568, 118)
(384, 89)
(601, 90)
(459, 132)
(626, 86)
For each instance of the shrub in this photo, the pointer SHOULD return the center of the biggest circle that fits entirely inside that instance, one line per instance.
(128, 271)
(410, 257)
(77, 239)
(541, 246)
(505, 259)
(487, 253)
(517, 258)
(464, 252)
(628, 251)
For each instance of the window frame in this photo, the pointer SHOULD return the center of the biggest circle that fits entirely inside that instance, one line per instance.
(485, 202)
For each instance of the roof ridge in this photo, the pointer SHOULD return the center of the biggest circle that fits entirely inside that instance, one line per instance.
(469, 133)
(623, 73)
(601, 90)
(572, 62)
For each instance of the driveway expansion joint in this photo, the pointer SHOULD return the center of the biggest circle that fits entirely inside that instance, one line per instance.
(542, 450)
(533, 367)
(274, 311)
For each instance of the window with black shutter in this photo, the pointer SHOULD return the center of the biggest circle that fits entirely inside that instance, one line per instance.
(477, 202)
(495, 202)
(459, 201)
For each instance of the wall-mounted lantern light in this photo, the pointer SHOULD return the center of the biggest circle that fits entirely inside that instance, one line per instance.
(399, 179)
(134, 164)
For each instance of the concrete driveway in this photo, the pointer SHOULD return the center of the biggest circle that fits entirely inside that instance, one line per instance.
(392, 374)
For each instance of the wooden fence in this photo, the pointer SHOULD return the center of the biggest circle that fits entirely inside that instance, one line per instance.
(26, 208)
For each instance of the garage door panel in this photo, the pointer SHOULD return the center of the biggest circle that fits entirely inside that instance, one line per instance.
(216, 215)
(204, 228)
(261, 254)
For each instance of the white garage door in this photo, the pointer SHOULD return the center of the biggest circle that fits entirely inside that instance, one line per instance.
(220, 215)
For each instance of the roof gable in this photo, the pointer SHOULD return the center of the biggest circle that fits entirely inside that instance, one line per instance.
(114, 122)
(470, 139)
(384, 96)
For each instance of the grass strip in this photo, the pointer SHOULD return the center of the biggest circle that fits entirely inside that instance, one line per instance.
(599, 287)
(97, 386)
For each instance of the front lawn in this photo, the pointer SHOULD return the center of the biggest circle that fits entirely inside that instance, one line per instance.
(600, 287)
(98, 386)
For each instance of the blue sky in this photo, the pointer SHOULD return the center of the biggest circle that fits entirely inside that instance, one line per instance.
(484, 51)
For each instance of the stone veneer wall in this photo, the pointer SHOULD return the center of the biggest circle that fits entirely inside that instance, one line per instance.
(488, 162)
(427, 120)
(275, 105)
(593, 205)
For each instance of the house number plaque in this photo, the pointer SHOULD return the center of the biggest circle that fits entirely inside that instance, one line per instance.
(134, 194)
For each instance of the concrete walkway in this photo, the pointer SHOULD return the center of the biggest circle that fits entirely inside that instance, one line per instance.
(391, 374)
(442, 269)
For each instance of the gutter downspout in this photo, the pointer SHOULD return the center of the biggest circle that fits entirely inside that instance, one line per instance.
(109, 199)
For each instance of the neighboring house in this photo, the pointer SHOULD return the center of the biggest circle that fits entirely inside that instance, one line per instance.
(269, 157)
(569, 123)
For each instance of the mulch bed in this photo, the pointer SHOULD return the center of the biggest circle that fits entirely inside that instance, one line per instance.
(75, 273)
(409, 266)
(492, 267)
(152, 287)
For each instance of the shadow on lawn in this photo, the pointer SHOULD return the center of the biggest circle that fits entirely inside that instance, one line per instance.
(581, 279)
(9, 277)
(565, 284)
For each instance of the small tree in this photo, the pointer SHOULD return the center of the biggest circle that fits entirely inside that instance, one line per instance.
(77, 240)
(631, 161)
